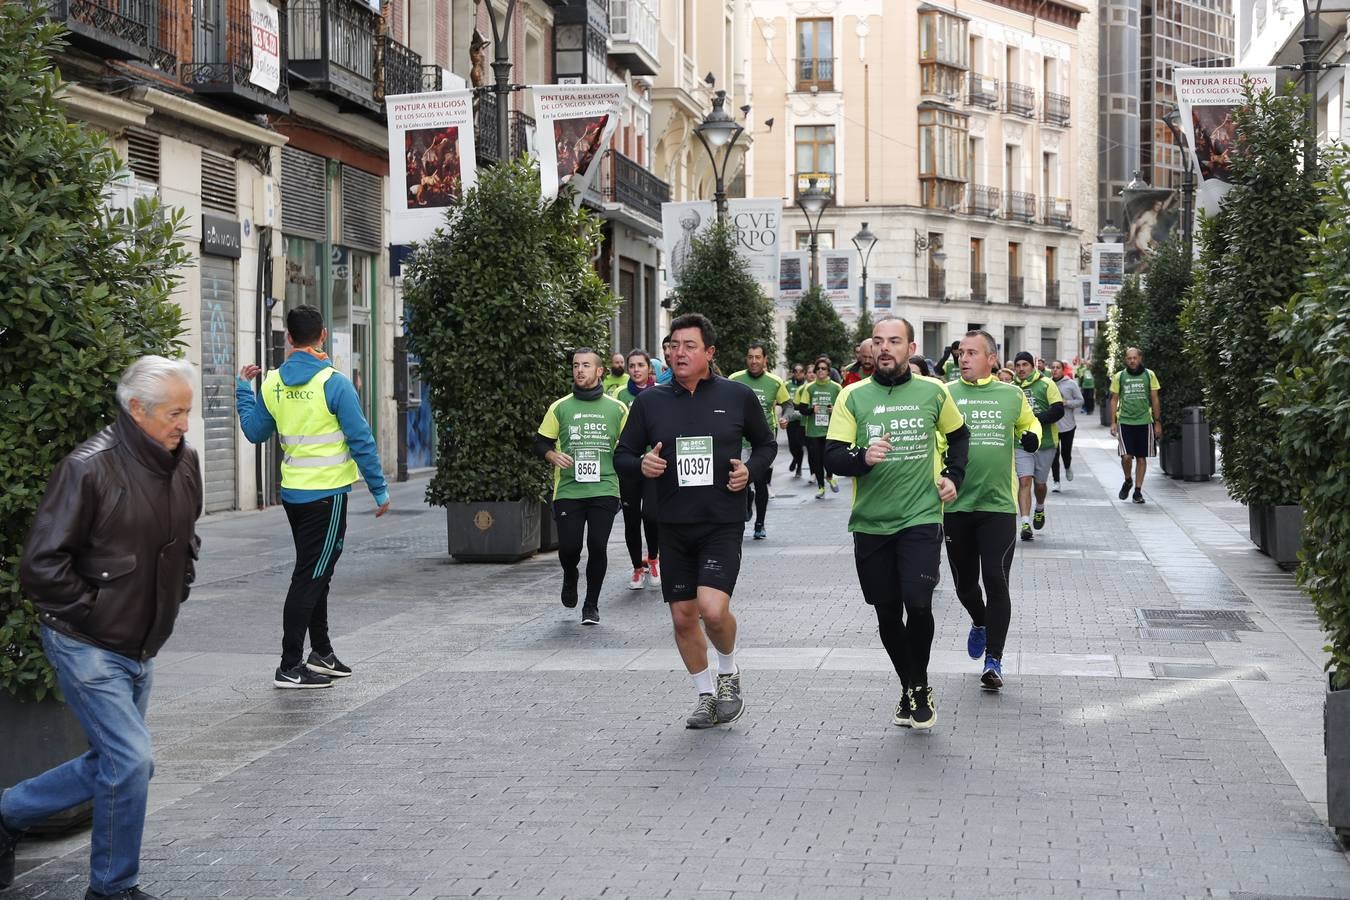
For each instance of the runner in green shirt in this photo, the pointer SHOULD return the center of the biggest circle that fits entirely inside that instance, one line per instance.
(981, 524)
(816, 400)
(771, 392)
(617, 376)
(577, 436)
(1134, 407)
(1033, 469)
(1089, 384)
(884, 433)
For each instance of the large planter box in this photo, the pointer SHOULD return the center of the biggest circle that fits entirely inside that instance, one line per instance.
(37, 736)
(1336, 742)
(493, 531)
(1104, 412)
(1257, 525)
(1169, 457)
(548, 529)
(1284, 534)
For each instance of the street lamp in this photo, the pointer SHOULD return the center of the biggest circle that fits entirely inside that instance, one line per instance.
(719, 131)
(1173, 122)
(1311, 43)
(812, 202)
(1110, 234)
(501, 69)
(864, 241)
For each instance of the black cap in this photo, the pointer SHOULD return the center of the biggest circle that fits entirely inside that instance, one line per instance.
(1025, 356)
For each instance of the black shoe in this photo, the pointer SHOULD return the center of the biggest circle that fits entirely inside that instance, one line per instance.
(590, 614)
(569, 592)
(1125, 488)
(922, 709)
(1038, 519)
(299, 677)
(134, 893)
(8, 841)
(1138, 496)
(328, 665)
(1026, 531)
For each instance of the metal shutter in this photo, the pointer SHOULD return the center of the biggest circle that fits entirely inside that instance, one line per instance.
(143, 154)
(220, 183)
(362, 209)
(303, 194)
(218, 335)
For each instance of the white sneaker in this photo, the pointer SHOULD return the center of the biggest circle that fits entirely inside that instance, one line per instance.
(654, 573)
(1068, 473)
(638, 581)
(1055, 487)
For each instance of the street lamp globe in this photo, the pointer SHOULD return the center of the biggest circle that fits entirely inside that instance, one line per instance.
(813, 200)
(718, 128)
(864, 240)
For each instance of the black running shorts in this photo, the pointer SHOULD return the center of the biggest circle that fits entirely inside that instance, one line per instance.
(1136, 441)
(699, 555)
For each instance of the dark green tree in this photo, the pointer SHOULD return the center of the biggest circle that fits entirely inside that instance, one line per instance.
(1161, 338)
(84, 291)
(1124, 322)
(716, 282)
(862, 329)
(1101, 366)
(510, 278)
(815, 329)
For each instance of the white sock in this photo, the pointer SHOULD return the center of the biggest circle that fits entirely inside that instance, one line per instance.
(1026, 520)
(726, 662)
(1040, 507)
(703, 681)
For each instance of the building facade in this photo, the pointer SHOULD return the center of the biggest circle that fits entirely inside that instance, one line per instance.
(967, 158)
(1268, 34)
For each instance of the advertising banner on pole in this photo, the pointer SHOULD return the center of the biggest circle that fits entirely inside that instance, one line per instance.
(837, 278)
(1206, 99)
(1108, 277)
(680, 223)
(575, 122)
(265, 24)
(757, 230)
(1089, 310)
(1150, 217)
(431, 143)
(794, 276)
(883, 291)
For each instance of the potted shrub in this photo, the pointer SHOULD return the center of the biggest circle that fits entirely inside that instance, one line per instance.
(1312, 331)
(1101, 373)
(496, 300)
(90, 294)
(1160, 337)
(815, 329)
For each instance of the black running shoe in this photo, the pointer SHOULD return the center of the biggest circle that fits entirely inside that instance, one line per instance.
(1026, 532)
(1038, 519)
(569, 592)
(1138, 496)
(902, 711)
(8, 841)
(923, 711)
(1125, 488)
(133, 893)
(328, 665)
(590, 614)
(300, 677)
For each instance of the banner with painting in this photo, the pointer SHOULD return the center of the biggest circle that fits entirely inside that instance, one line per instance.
(1151, 215)
(884, 292)
(1206, 99)
(431, 142)
(574, 125)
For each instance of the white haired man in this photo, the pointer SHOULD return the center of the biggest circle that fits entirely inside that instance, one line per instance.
(117, 525)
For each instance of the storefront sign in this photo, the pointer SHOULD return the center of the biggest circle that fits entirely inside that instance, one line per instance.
(431, 142)
(221, 236)
(266, 28)
(575, 123)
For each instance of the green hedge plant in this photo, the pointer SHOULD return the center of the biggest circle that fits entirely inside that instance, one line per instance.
(495, 302)
(815, 330)
(1160, 334)
(1124, 322)
(716, 282)
(84, 291)
(1306, 399)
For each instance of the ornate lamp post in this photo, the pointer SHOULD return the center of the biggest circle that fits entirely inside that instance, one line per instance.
(864, 241)
(718, 132)
(501, 70)
(812, 203)
(1173, 122)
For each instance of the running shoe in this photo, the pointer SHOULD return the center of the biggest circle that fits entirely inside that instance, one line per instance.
(1125, 488)
(1068, 473)
(8, 841)
(729, 702)
(760, 533)
(975, 641)
(1138, 496)
(820, 493)
(902, 711)
(328, 665)
(796, 473)
(705, 714)
(131, 893)
(653, 573)
(992, 679)
(1054, 486)
(922, 709)
(834, 485)
(1026, 531)
(569, 592)
(300, 677)
(636, 583)
(1038, 519)
(590, 614)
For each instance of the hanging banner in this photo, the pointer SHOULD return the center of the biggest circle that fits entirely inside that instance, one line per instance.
(1206, 99)
(836, 277)
(431, 142)
(266, 27)
(1089, 309)
(1150, 217)
(757, 230)
(794, 276)
(574, 122)
(680, 223)
(1108, 277)
(883, 291)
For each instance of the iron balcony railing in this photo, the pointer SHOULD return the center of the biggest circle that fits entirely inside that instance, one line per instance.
(333, 48)
(431, 78)
(487, 134)
(1019, 100)
(522, 133)
(937, 283)
(122, 29)
(1015, 294)
(1057, 212)
(981, 91)
(1020, 206)
(400, 69)
(1052, 294)
(1056, 110)
(982, 200)
(222, 61)
(979, 285)
(815, 72)
(628, 182)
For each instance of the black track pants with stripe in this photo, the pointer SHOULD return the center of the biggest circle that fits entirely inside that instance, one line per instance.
(318, 528)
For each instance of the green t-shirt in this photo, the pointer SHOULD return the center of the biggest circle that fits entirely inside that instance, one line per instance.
(1085, 379)
(817, 399)
(997, 415)
(769, 391)
(951, 370)
(900, 491)
(587, 431)
(614, 381)
(1136, 396)
(1042, 394)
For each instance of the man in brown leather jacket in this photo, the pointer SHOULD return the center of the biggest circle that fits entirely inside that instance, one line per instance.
(108, 562)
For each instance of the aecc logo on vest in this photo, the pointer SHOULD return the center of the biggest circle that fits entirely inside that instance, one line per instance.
(293, 394)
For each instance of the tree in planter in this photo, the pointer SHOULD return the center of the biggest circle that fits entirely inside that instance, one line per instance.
(1124, 322)
(508, 278)
(862, 331)
(815, 330)
(1160, 335)
(84, 291)
(1101, 366)
(1311, 374)
(716, 282)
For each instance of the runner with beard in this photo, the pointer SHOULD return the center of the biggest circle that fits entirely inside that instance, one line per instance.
(884, 433)
(1136, 419)
(770, 392)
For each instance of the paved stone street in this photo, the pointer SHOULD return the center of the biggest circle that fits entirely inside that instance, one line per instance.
(1160, 733)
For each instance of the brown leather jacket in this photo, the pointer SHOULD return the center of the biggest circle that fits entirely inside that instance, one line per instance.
(110, 556)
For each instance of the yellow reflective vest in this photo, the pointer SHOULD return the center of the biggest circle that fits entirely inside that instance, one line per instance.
(315, 455)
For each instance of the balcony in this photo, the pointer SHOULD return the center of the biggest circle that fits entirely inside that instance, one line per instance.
(522, 133)
(1057, 212)
(979, 286)
(122, 29)
(485, 128)
(222, 62)
(1019, 100)
(1020, 207)
(333, 46)
(814, 74)
(630, 190)
(824, 182)
(399, 69)
(1015, 294)
(937, 283)
(982, 200)
(1052, 294)
(981, 91)
(1056, 110)
(635, 35)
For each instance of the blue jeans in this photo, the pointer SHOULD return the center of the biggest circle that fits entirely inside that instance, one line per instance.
(108, 693)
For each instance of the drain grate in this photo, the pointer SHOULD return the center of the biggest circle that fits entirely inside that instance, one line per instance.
(1227, 619)
(1200, 671)
(1187, 635)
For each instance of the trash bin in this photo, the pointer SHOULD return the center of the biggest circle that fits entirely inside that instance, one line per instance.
(1197, 447)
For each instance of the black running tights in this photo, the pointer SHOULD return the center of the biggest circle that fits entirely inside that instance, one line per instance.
(590, 520)
(980, 544)
(639, 515)
(815, 456)
(898, 573)
(1065, 450)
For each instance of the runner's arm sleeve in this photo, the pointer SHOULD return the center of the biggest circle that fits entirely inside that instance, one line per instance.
(1028, 428)
(256, 422)
(346, 405)
(841, 457)
(542, 445)
(951, 423)
(763, 444)
(632, 442)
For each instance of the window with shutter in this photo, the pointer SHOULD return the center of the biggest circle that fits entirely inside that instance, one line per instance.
(362, 209)
(304, 190)
(220, 183)
(143, 154)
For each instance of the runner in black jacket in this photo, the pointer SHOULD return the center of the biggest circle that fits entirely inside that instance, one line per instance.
(695, 426)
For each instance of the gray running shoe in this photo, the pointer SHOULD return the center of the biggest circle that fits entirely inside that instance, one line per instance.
(705, 714)
(729, 702)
